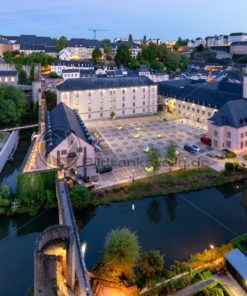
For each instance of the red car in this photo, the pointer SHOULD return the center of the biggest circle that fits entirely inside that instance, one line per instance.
(206, 140)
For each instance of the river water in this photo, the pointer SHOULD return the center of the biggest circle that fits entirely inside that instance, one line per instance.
(177, 225)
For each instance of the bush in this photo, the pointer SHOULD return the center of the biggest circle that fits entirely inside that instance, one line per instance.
(5, 191)
(52, 75)
(229, 167)
(151, 264)
(230, 154)
(80, 196)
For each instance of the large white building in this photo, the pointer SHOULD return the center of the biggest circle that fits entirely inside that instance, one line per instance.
(59, 66)
(98, 98)
(221, 40)
(239, 48)
(237, 37)
(80, 49)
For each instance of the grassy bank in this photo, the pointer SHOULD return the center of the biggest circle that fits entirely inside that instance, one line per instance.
(164, 184)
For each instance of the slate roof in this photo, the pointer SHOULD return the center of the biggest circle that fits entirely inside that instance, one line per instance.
(60, 123)
(33, 39)
(88, 43)
(240, 43)
(206, 94)
(239, 261)
(101, 83)
(5, 41)
(237, 34)
(8, 73)
(71, 71)
(233, 113)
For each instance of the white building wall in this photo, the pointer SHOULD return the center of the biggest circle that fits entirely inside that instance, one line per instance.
(100, 103)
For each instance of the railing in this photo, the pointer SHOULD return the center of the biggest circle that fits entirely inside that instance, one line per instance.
(17, 128)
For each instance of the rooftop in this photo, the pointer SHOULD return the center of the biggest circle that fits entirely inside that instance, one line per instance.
(8, 73)
(88, 43)
(101, 83)
(239, 261)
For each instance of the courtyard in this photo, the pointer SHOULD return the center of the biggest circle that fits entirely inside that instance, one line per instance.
(123, 143)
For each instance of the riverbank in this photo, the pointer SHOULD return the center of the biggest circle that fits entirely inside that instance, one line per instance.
(165, 184)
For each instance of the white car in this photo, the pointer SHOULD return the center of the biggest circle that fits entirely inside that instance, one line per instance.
(195, 147)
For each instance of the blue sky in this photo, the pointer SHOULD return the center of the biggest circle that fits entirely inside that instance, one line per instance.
(165, 19)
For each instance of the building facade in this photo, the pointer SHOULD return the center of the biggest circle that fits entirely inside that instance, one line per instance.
(59, 66)
(134, 48)
(221, 40)
(9, 77)
(99, 98)
(237, 37)
(239, 48)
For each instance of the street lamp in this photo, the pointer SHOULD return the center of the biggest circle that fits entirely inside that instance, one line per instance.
(133, 175)
(211, 246)
(185, 163)
(83, 248)
(133, 207)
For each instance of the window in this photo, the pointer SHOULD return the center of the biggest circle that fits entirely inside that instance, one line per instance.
(228, 134)
(144, 97)
(143, 110)
(242, 135)
(79, 149)
(123, 98)
(209, 113)
(89, 94)
(89, 109)
(228, 144)
(63, 152)
(216, 133)
(134, 111)
(241, 145)
(203, 112)
(245, 134)
(144, 89)
(198, 110)
(134, 104)
(123, 112)
(134, 90)
(101, 108)
(153, 96)
(123, 91)
(184, 106)
(123, 105)
(89, 116)
(193, 109)
(188, 107)
(143, 103)
(101, 114)
(215, 143)
(134, 97)
(245, 144)
(110, 92)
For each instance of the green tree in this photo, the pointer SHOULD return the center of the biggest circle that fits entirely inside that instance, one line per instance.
(171, 154)
(120, 254)
(96, 55)
(229, 167)
(154, 158)
(106, 44)
(5, 191)
(51, 99)
(134, 64)
(22, 77)
(151, 264)
(130, 38)
(52, 75)
(123, 56)
(80, 196)
(13, 104)
(60, 43)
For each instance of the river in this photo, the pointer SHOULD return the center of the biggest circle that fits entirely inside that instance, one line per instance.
(177, 225)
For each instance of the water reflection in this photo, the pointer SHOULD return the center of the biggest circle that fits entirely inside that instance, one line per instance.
(171, 205)
(154, 212)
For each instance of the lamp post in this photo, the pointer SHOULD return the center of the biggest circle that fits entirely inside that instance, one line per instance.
(185, 163)
(133, 175)
(83, 248)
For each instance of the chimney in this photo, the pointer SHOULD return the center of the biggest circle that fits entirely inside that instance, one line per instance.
(245, 87)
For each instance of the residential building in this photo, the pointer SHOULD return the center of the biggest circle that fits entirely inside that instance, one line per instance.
(228, 127)
(236, 264)
(217, 40)
(5, 45)
(67, 142)
(9, 77)
(80, 49)
(59, 66)
(156, 75)
(239, 48)
(197, 42)
(237, 37)
(77, 73)
(170, 44)
(28, 44)
(134, 48)
(98, 98)
(196, 101)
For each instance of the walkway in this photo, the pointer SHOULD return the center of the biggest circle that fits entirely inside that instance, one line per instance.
(66, 216)
(17, 128)
(192, 289)
(231, 284)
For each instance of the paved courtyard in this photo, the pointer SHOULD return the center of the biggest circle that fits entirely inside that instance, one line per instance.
(126, 153)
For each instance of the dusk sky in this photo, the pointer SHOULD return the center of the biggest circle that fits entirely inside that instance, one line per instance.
(157, 18)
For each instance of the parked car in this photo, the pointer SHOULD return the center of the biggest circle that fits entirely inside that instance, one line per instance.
(104, 169)
(206, 140)
(189, 149)
(195, 147)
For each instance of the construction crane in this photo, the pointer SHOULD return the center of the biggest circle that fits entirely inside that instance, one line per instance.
(95, 32)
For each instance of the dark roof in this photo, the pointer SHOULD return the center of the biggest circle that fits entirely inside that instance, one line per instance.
(60, 123)
(88, 43)
(87, 72)
(73, 63)
(128, 43)
(240, 43)
(8, 73)
(101, 83)
(207, 94)
(237, 34)
(71, 71)
(233, 113)
(5, 41)
(33, 39)
(143, 68)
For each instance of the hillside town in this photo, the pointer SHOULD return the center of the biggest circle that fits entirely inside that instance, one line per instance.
(93, 131)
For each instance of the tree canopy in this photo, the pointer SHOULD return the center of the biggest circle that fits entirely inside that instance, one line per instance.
(13, 104)
(96, 55)
(60, 43)
(80, 196)
(151, 264)
(154, 158)
(123, 56)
